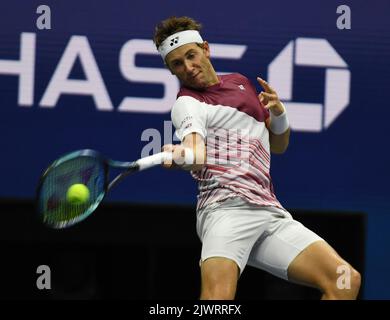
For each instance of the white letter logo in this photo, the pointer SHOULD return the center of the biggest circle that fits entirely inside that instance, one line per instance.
(78, 47)
(131, 72)
(44, 281)
(24, 68)
(344, 21)
(311, 53)
(171, 85)
(44, 21)
(344, 281)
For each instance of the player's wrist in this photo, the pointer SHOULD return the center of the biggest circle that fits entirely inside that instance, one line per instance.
(278, 109)
(187, 159)
(279, 123)
(183, 156)
(189, 156)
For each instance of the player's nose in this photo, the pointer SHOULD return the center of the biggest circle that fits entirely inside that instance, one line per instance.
(189, 68)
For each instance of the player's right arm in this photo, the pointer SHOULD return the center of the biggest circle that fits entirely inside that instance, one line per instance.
(192, 142)
(189, 118)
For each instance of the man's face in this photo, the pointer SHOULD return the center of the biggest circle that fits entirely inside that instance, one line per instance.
(191, 64)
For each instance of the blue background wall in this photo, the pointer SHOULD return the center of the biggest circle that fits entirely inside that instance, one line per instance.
(342, 167)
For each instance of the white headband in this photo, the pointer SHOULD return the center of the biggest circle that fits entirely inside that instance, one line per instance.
(178, 39)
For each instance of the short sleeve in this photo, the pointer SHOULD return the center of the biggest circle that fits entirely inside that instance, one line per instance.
(189, 115)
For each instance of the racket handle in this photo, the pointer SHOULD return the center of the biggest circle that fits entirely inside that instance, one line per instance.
(154, 160)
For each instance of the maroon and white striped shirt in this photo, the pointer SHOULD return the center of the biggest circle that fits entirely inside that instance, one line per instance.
(230, 118)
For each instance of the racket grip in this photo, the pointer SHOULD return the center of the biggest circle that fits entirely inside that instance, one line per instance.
(154, 160)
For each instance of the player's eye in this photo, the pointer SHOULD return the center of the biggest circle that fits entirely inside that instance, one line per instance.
(191, 56)
(176, 64)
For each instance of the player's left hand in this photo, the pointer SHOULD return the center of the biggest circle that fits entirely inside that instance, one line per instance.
(269, 98)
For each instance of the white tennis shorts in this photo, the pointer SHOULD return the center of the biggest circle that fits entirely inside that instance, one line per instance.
(267, 238)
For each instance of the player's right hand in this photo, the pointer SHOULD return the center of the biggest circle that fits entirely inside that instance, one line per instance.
(177, 157)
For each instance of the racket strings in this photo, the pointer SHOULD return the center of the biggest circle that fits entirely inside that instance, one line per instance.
(56, 209)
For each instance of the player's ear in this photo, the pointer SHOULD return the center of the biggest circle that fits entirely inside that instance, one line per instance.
(166, 65)
(206, 49)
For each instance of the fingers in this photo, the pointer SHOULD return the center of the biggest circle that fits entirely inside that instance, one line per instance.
(269, 100)
(168, 148)
(178, 153)
(268, 97)
(273, 104)
(265, 85)
(265, 97)
(268, 106)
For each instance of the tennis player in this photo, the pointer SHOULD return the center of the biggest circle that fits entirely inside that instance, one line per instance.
(228, 131)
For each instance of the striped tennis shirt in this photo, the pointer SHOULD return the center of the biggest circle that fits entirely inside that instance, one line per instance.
(231, 119)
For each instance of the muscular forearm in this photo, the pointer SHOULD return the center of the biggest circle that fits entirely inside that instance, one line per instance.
(195, 143)
(279, 129)
(279, 142)
(190, 155)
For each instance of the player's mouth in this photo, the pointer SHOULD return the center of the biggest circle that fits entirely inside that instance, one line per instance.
(195, 76)
(196, 80)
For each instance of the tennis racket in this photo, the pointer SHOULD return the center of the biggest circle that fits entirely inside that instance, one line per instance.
(87, 167)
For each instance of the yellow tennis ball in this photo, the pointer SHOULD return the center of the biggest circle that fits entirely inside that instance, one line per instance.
(77, 194)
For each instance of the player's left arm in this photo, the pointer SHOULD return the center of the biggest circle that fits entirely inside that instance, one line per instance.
(277, 124)
(278, 142)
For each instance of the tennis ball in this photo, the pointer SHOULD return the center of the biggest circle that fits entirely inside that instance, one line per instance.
(77, 194)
